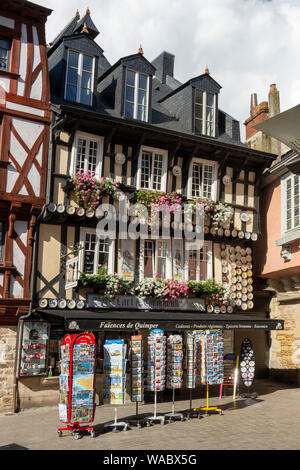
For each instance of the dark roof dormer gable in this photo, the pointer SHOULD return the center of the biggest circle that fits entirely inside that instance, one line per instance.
(126, 87)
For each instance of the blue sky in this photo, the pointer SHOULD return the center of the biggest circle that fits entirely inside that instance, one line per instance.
(246, 44)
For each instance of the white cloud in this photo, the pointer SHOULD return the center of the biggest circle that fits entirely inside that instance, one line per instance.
(247, 44)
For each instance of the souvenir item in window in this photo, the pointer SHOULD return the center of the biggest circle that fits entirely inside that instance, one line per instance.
(34, 349)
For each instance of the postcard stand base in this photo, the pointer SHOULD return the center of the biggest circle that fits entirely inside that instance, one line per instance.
(174, 415)
(139, 420)
(75, 429)
(208, 408)
(192, 411)
(150, 419)
(117, 424)
(249, 395)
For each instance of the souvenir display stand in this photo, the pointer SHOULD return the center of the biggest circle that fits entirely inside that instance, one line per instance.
(156, 378)
(247, 366)
(174, 371)
(191, 355)
(210, 366)
(137, 380)
(114, 379)
(77, 383)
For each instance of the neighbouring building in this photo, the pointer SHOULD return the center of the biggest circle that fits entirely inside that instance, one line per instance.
(131, 132)
(278, 249)
(24, 139)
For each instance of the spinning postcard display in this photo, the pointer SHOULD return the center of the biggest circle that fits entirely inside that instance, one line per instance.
(209, 350)
(174, 361)
(137, 369)
(77, 379)
(247, 362)
(114, 368)
(156, 380)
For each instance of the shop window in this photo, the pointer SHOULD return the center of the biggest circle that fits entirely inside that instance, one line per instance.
(290, 202)
(205, 112)
(199, 263)
(152, 169)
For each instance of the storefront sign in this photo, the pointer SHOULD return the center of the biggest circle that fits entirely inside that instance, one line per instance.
(135, 302)
(125, 325)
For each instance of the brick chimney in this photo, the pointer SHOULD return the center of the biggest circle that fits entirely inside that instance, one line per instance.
(258, 113)
(274, 102)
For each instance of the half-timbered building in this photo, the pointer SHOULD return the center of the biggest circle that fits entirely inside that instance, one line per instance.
(24, 139)
(131, 131)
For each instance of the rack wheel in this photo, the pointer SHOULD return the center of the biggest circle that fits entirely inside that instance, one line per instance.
(93, 434)
(59, 433)
(114, 429)
(139, 426)
(77, 436)
(148, 424)
(125, 428)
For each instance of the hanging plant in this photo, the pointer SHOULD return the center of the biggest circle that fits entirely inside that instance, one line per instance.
(89, 190)
(156, 202)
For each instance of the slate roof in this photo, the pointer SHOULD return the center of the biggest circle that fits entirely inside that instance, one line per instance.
(171, 101)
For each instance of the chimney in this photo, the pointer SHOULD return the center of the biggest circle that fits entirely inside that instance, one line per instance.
(253, 103)
(274, 102)
(164, 65)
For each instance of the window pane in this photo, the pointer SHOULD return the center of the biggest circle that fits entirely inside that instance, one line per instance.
(198, 125)
(85, 96)
(71, 93)
(157, 171)
(145, 170)
(103, 253)
(143, 81)
(203, 263)
(209, 100)
(89, 252)
(73, 59)
(129, 109)
(207, 181)
(161, 258)
(142, 97)
(72, 76)
(192, 265)
(199, 97)
(198, 111)
(92, 160)
(148, 258)
(87, 63)
(141, 113)
(130, 93)
(86, 81)
(196, 180)
(81, 152)
(178, 265)
(130, 77)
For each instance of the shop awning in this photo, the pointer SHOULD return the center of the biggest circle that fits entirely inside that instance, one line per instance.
(146, 320)
(284, 127)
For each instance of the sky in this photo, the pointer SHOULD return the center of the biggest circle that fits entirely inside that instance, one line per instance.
(246, 44)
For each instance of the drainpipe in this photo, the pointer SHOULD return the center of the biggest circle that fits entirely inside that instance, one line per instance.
(23, 317)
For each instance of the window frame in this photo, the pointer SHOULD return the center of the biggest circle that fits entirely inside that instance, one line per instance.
(214, 166)
(152, 150)
(289, 176)
(2, 241)
(172, 246)
(99, 159)
(135, 99)
(204, 108)
(79, 73)
(111, 255)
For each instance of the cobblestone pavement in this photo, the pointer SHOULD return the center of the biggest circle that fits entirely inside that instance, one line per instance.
(272, 421)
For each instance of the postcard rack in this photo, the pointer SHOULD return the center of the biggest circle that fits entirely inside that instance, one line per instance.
(156, 379)
(174, 371)
(77, 384)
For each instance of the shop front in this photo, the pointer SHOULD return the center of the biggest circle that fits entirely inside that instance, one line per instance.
(41, 339)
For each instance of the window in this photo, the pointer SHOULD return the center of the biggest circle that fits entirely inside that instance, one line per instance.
(205, 105)
(5, 45)
(80, 77)
(136, 95)
(152, 169)
(169, 259)
(96, 252)
(199, 263)
(202, 179)
(291, 202)
(155, 258)
(87, 153)
(2, 236)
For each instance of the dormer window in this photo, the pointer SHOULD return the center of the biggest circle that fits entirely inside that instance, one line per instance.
(136, 95)
(80, 77)
(205, 112)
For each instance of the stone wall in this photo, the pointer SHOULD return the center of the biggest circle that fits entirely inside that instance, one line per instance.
(8, 336)
(285, 347)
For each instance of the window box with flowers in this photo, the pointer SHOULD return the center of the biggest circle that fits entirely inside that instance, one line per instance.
(90, 190)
